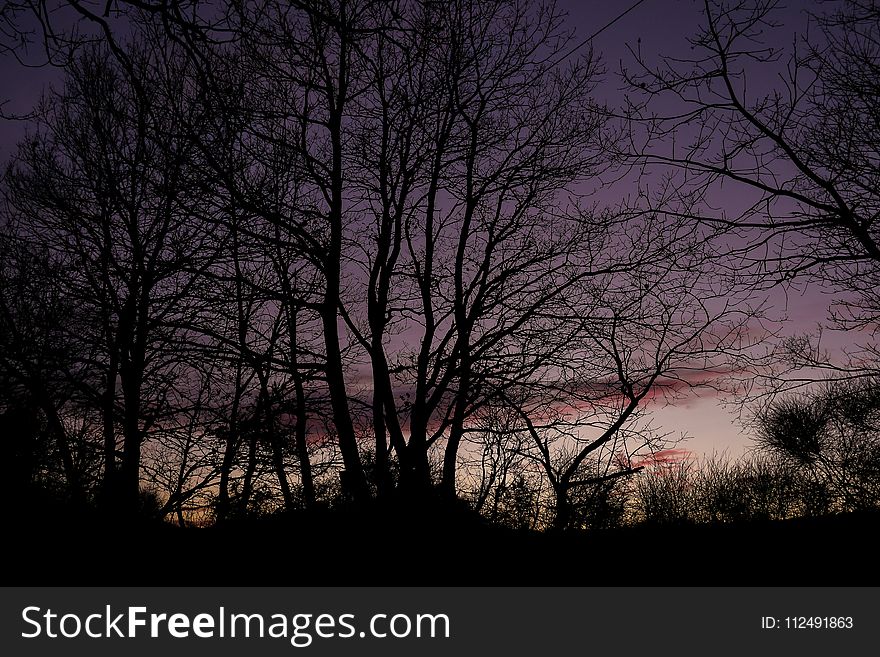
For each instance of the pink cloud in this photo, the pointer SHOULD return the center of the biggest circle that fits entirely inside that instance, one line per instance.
(663, 459)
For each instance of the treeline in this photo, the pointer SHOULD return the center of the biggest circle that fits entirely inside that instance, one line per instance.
(316, 254)
(814, 455)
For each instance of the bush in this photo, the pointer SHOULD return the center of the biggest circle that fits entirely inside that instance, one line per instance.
(833, 436)
(718, 490)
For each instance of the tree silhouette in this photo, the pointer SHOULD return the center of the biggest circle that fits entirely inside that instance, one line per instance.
(37, 366)
(334, 249)
(100, 188)
(832, 433)
(794, 132)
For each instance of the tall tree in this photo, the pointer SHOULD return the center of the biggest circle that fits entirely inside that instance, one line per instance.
(787, 138)
(100, 186)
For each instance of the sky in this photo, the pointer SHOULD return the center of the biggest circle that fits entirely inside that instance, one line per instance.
(662, 27)
(657, 27)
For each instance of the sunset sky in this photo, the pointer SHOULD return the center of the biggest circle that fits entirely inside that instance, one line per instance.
(661, 28)
(658, 27)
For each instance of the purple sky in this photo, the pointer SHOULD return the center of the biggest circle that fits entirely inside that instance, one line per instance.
(662, 26)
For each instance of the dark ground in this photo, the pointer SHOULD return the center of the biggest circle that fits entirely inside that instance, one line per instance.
(398, 546)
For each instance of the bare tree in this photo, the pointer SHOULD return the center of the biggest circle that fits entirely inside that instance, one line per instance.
(38, 376)
(100, 187)
(442, 134)
(793, 130)
(366, 215)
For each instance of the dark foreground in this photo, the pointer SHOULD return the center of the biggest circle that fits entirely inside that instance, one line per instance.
(397, 546)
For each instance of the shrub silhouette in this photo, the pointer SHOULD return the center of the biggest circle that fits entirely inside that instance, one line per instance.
(718, 490)
(833, 435)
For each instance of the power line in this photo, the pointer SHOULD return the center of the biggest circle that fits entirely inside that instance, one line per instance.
(600, 30)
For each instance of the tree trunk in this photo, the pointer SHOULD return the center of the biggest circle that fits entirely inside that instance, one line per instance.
(562, 516)
(300, 431)
(247, 486)
(108, 424)
(302, 448)
(355, 481)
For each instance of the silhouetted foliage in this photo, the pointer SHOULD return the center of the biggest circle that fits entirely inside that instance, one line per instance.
(337, 257)
(834, 434)
(721, 491)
